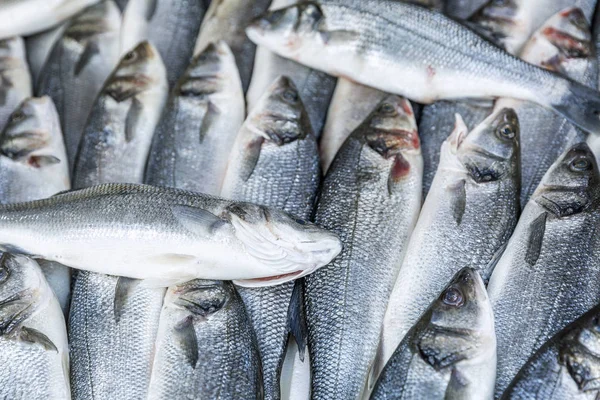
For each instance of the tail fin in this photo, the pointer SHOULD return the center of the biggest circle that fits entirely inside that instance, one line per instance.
(581, 106)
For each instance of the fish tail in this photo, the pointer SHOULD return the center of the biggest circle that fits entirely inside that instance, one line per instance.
(581, 106)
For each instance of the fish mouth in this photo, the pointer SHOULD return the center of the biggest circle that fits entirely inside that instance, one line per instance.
(269, 280)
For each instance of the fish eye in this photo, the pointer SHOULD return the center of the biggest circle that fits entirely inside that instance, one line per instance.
(290, 95)
(506, 131)
(4, 274)
(300, 221)
(580, 164)
(387, 109)
(130, 56)
(453, 297)
(18, 116)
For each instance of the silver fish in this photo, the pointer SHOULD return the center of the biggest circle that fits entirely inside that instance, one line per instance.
(371, 197)
(450, 353)
(39, 47)
(15, 81)
(196, 133)
(76, 69)
(33, 337)
(549, 274)
(275, 162)
(374, 41)
(205, 347)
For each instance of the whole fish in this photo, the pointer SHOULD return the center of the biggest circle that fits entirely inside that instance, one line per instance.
(451, 352)
(119, 130)
(172, 26)
(76, 69)
(474, 195)
(227, 20)
(549, 274)
(205, 347)
(275, 162)
(15, 81)
(371, 197)
(33, 339)
(25, 17)
(196, 133)
(39, 47)
(565, 367)
(374, 41)
(166, 235)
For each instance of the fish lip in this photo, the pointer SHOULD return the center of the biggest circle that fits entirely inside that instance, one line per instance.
(270, 280)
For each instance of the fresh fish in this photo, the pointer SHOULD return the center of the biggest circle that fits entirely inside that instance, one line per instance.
(196, 133)
(76, 69)
(374, 41)
(451, 352)
(549, 274)
(226, 20)
(467, 218)
(565, 368)
(119, 130)
(25, 17)
(15, 81)
(371, 197)
(205, 348)
(275, 162)
(170, 25)
(33, 338)
(462, 9)
(39, 47)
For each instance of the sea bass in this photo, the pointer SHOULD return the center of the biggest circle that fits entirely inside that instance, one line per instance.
(15, 81)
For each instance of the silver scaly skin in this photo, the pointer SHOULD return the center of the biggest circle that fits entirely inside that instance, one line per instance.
(450, 353)
(77, 67)
(275, 162)
(549, 274)
(371, 197)
(467, 218)
(204, 113)
(15, 81)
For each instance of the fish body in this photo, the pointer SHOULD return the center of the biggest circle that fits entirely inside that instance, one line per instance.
(39, 47)
(15, 81)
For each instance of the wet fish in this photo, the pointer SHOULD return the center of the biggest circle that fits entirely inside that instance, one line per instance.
(474, 195)
(15, 81)
(421, 47)
(33, 338)
(371, 197)
(451, 352)
(226, 20)
(275, 162)
(39, 47)
(549, 274)
(205, 347)
(119, 130)
(79, 64)
(204, 113)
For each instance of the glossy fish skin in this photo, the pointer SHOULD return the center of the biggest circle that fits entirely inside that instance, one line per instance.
(15, 81)
(549, 273)
(119, 130)
(196, 133)
(39, 47)
(275, 162)
(33, 339)
(474, 195)
(205, 347)
(396, 39)
(371, 197)
(451, 352)
(77, 67)
(227, 20)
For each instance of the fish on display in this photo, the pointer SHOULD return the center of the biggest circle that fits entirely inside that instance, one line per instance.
(549, 274)
(371, 198)
(205, 347)
(450, 353)
(196, 133)
(77, 67)
(15, 81)
(423, 47)
(33, 339)
(39, 47)
(474, 195)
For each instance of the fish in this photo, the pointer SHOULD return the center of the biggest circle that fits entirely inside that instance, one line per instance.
(77, 67)
(564, 367)
(172, 26)
(275, 163)
(423, 47)
(39, 47)
(17, 17)
(474, 195)
(371, 198)
(451, 351)
(121, 124)
(196, 133)
(462, 9)
(33, 338)
(549, 274)
(205, 347)
(226, 20)
(15, 81)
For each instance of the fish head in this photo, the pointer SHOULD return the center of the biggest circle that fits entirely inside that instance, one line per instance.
(286, 247)
(571, 184)
(202, 297)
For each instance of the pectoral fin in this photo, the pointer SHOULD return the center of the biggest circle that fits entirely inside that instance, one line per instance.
(33, 336)
(197, 220)
(187, 340)
(536, 238)
(123, 290)
(297, 318)
(90, 51)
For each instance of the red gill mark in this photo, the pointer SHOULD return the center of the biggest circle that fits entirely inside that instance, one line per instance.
(400, 169)
(573, 47)
(430, 73)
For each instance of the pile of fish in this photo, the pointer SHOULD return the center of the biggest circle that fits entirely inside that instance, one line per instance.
(283, 200)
